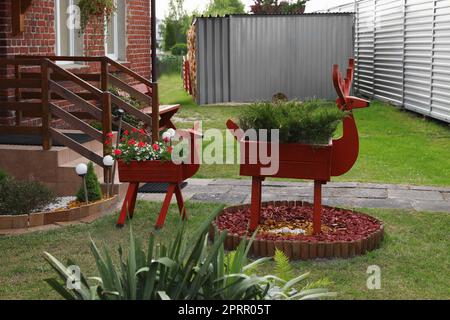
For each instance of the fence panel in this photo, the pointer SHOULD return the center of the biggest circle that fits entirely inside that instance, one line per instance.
(244, 58)
(402, 53)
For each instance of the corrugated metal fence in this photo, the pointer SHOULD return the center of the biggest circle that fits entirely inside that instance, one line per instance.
(249, 58)
(402, 53)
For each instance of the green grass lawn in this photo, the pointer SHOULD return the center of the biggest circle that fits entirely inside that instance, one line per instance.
(395, 146)
(413, 258)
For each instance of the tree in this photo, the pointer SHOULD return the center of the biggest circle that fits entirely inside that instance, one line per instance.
(223, 7)
(175, 25)
(92, 185)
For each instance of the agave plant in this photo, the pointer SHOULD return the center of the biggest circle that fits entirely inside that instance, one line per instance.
(179, 272)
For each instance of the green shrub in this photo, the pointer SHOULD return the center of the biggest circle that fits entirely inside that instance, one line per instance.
(170, 64)
(23, 197)
(312, 122)
(3, 176)
(180, 49)
(188, 269)
(93, 186)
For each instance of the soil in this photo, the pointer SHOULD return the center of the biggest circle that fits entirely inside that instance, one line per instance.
(337, 224)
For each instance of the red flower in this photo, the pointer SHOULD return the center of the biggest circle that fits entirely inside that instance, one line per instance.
(134, 130)
(141, 144)
(109, 135)
(117, 152)
(170, 149)
(156, 147)
(125, 133)
(142, 131)
(132, 142)
(107, 142)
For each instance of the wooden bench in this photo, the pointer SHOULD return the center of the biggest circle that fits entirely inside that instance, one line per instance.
(166, 112)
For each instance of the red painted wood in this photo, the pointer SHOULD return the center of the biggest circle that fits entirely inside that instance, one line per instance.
(317, 218)
(165, 206)
(159, 171)
(256, 202)
(300, 161)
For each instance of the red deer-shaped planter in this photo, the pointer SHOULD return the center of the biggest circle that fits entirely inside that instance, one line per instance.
(158, 171)
(303, 161)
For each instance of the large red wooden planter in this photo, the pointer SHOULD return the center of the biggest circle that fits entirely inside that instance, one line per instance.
(157, 171)
(302, 161)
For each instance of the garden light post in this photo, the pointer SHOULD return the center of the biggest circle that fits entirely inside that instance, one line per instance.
(120, 114)
(108, 162)
(81, 171)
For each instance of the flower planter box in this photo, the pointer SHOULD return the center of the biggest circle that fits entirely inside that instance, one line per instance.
(155, 171)
(303, 161)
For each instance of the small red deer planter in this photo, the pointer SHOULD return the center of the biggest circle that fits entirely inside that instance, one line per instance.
(302, 161)
(158, 171)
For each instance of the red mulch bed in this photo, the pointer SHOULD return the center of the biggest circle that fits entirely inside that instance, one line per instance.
(341, 225)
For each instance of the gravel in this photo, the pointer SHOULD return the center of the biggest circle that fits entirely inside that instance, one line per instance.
(59, 203)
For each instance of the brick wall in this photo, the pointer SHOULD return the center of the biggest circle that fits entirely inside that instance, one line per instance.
(39, 36)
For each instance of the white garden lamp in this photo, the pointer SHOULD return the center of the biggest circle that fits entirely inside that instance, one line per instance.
(81, 171)
(108, 162)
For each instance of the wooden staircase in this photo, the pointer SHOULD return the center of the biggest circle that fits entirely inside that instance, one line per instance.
(40, 88)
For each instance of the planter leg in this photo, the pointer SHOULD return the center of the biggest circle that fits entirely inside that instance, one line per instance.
(317, 218)
(180, 202)
(255, 211)
(128, 204)
(165, 207)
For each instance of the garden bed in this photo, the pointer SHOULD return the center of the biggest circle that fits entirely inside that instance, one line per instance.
(70, 214)
(287, 225)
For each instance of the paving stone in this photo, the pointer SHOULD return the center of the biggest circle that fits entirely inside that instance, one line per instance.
(383, 203)
(415, 195)
(160, 196)
(338, 202)
(199, 182)
(231, 182)
(446, 195)
(383, 186)
(356, 193)
(341, 185)
(227, 198)
(290, 191)
(436, 206)
(426, 188)
(207, 188)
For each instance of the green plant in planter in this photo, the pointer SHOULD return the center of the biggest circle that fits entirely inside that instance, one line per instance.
(95, 9)
(93, 186)
(311, 122)
(187, 269)
(3, 176)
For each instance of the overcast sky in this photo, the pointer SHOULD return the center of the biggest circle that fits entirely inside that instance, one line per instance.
(192, 5)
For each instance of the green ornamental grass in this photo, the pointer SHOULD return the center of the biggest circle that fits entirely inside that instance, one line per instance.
(311, 122)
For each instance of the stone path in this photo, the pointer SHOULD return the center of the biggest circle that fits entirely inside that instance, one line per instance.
(347, 194)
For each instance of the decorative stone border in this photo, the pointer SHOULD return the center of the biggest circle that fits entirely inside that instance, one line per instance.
(46, 218)
(303, 250)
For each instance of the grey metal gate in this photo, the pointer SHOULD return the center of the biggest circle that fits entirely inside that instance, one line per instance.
(243, 58)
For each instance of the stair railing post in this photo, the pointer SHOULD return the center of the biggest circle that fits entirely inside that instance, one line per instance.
(106, 127)
(104, 74)
(155, 112)
(46, 116)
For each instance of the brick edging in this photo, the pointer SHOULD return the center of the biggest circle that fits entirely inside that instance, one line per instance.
(46, 218)
(303, 250)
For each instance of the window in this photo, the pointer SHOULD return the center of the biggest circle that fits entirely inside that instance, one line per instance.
(115, 34)
(69, 41)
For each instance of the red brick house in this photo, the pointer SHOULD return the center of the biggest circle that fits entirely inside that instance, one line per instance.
(45, 32)
(120, 55)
